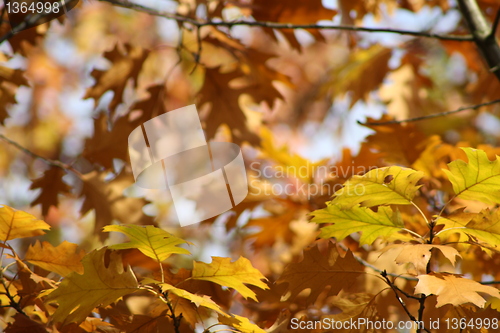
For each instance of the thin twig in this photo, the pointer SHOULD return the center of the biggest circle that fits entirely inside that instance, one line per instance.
(275, 25)
(48, 161)
(30, 21)
(401, 302)
(435, 115)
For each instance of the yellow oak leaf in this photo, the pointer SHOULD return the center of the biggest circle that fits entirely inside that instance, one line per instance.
(101, 284)
(18, 224)
(454, 289)
(198, 300)
(383, 186)
(62, 259)
(242, 324)
(230, 274)
(420, 254)
(150, 240)
(317, 271)
(483, 227)
(384, 223)
(479, 179)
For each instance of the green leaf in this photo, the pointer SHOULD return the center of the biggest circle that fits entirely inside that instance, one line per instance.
(384, 223)
(230, 274)
(198, 300)
(482, 227)
(477, 180)
(383, 186)
(100, 285)
(153, 242)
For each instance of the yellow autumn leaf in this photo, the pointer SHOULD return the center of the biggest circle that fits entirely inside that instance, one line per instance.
(62, 259)
(383, 186)
(289, 164)
(18, 224)
(100, 285)
(479, 179)
(453, 289)
(198, 300)
(230, 274)
(384, 223)
(242, 324)
(483, 227)
(420, 254)
(150, 240)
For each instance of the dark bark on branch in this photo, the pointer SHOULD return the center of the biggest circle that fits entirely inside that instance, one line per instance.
(483, 34)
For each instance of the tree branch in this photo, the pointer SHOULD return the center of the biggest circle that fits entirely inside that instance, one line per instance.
(430, 116)
(49, 161)
(483, 35)
(29, 21)
(274, 25)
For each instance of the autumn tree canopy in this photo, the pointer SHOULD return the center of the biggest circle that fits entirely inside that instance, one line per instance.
(369, 135)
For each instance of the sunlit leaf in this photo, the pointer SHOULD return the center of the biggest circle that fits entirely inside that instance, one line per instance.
(101, 284)
(231, 274)
(18, 224)
(62, 259)
(154, 242)
(383, 186)
(479, 179)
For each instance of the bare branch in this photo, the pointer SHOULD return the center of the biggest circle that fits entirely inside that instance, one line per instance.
(430, 116)
(274, 25)
(484, 36)
(50, 162)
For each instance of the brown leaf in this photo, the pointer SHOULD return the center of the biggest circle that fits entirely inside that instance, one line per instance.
(453, 289)
(224, 104)
(105, 144)
(291, 11)
(404, 142)
(10, 80)
(51, 185)
(317, 271)
(126, 63)
(107, 198)
(23, 324)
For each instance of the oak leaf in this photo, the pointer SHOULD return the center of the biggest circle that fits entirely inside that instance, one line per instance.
(101, 284)
(18, 224)
(230, 274)
(454, 289)
(291, 11)
(317, 271)
(483, 227)
(10, 80)
(107, 144)
(150, 240)
(353, 306)
(224, 105)
(242, 324)
(51, 185)
(107, 198)
(126, 63)
(62, 259)
(383, 186)
(420, 254)
(477, 180)
(352, 77)
(384, 223)
(198, 300)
